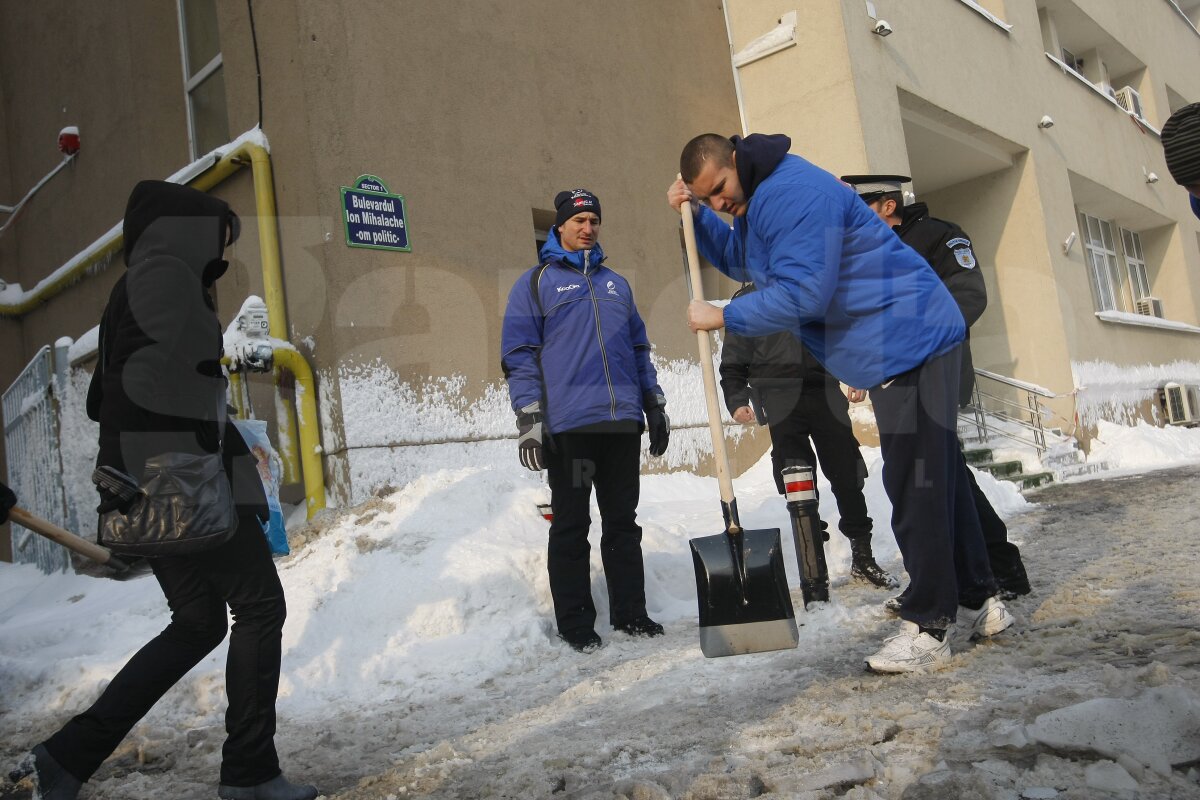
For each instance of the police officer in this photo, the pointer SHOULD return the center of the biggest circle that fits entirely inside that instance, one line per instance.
(775, 380)
(948, 250)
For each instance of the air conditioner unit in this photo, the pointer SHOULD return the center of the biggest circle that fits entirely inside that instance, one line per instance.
(1129, 99)
(1148, 306)
(1181, 409)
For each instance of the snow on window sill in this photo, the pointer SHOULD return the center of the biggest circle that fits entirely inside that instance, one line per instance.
(989, 16)
(1125, 318)
(1139, 121)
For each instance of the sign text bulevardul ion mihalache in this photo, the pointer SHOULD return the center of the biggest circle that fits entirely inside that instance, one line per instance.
(374, 218)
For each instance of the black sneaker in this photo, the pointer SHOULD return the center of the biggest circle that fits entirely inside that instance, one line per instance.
(640, 626)
(583, 640)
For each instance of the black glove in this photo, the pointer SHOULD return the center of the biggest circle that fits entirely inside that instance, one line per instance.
(7, 501)
(657, 422)
(529, 442)
(117, 489)
(110, 501)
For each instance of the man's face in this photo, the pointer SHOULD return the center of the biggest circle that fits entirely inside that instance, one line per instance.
(580, 232)
(719, 188)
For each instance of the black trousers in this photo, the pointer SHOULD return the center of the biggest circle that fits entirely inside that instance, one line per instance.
(1005, 557)
(927, 480)
(820, 413)
(611, 463)
(238, 574)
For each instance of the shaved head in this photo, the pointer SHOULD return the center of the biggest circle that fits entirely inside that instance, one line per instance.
(705, 147)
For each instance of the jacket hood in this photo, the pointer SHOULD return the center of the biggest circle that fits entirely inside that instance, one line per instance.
(164, 218)
(910, 215)
(553, 250)
(757, 156)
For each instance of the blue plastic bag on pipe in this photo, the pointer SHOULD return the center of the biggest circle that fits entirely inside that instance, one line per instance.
(270, 469)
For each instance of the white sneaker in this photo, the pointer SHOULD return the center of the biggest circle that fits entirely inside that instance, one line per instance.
(910, 651)
(988, 620)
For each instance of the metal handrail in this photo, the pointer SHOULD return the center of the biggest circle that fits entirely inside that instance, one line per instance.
(1026, 416)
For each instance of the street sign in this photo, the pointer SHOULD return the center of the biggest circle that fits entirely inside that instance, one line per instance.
(374, 218)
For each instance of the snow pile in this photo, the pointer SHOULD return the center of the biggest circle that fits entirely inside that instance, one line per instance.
(1116, 392)
(400, 430)
(1144, 446)
(1159, 728)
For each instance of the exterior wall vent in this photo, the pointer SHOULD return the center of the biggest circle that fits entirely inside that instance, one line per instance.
(1181, 404)
(1129, 99)
(1149, 306)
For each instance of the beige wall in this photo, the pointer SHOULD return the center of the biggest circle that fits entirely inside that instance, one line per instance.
(478, 113)
(840, 94)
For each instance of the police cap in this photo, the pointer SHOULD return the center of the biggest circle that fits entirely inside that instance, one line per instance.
(871, 187)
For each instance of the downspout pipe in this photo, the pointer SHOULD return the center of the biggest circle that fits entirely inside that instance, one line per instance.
(288, 358)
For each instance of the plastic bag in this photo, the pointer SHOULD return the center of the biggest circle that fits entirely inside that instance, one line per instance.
(270, 469)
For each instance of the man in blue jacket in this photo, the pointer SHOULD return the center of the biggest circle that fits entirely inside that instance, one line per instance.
(873, 312)
(577, 359)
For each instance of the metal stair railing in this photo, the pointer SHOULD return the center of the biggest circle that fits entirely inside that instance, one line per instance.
(1017, 416)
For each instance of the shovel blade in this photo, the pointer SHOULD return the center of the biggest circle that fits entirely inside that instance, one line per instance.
(750, 613)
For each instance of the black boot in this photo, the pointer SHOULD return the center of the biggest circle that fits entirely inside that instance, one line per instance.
(278, 788)
(864, 568)
(50, 780)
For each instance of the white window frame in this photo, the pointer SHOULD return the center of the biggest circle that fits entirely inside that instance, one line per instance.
(1135, 262)
(190, 84)
(1100, 250)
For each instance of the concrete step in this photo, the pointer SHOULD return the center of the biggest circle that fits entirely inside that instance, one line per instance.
(1002, 469)
(977, 456)
(1027, 481)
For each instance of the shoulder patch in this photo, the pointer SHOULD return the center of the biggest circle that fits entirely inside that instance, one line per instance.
(958, 242)
(965, 257)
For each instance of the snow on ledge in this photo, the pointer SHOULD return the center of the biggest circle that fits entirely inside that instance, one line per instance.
(989, 16)
(1145, 321)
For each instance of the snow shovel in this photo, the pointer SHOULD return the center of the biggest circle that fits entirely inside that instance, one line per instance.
(101, 555)
(741, 588)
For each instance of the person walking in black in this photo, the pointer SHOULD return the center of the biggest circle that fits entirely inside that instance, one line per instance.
(7, 501)
(577, 359)
(775, 380)
(948, 250)
(158, 388)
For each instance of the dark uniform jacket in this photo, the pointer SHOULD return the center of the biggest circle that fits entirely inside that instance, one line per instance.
(948, 250)
(158, 385)
(751, 365)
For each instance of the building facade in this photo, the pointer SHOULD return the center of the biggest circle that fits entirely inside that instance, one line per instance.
(478, 113)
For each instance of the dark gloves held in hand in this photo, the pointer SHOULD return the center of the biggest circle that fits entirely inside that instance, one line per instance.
(657, 422)
(7, 501)
(117, 489)
(529, 440)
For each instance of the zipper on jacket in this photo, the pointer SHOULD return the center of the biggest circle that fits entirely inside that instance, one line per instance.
(612, 397)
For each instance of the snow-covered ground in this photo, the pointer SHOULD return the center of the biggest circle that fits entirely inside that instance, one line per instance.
(420, 658)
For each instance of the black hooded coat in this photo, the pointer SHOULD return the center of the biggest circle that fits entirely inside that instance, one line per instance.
(158, 385)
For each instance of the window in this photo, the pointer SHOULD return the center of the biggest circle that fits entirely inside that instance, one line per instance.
(1101, 254)
(1135, 262)
(1117, 269)
(204, 81)
(1071, 61)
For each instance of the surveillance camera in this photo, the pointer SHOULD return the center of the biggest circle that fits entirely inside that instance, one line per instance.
(882, 28)
(1151, 178)
(1046, 122)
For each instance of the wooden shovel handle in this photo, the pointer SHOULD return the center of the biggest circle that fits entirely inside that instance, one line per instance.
(101, 555)
(704, 340)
